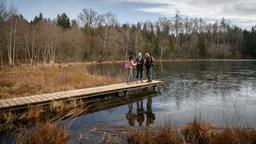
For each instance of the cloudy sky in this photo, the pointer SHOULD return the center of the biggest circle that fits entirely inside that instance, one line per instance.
(239, 12)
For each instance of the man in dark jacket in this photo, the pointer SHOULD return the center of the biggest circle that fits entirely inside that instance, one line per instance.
(148, 66)
(140, 64)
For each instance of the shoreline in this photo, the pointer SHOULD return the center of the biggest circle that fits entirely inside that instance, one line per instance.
(65, 64)
(220, 60)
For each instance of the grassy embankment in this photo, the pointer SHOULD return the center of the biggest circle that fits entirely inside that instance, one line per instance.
(31, 80)
(197, 132)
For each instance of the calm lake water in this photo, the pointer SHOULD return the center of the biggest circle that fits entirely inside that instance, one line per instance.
(223, 93)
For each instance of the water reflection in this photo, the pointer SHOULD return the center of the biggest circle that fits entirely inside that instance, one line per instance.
(149, 113)
(125, 110)
(130, 116)
(140, 113)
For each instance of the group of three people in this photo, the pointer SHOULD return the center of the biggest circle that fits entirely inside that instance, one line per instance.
(139, 63)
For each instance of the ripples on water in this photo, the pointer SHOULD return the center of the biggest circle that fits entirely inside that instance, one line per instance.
(221, 92)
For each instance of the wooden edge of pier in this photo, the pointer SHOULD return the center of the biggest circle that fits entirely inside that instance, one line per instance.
(73, 94)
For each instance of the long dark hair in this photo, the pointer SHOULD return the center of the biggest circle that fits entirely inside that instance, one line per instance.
(130, 58)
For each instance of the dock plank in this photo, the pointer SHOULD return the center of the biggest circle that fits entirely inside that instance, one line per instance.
(30, 99)
(24, 100)
(10, 102)
(40, 97)
(87, 92)
(36, 98)
(3, 103)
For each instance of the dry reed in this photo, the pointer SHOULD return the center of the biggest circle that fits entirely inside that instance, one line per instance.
(197, 132)
(44, 134)
(30, 80)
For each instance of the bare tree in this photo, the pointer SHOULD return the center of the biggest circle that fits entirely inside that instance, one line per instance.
(89, 18)
(12, 35)
(3, 15)
(101, 37)
(164, 25)
(109, 20)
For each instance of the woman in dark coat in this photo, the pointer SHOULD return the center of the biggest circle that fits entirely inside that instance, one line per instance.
(140, 64)
(148, 66)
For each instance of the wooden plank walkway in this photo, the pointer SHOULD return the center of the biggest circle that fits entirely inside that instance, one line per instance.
(87, 92)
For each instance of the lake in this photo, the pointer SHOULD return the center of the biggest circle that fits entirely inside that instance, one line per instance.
(220, 92)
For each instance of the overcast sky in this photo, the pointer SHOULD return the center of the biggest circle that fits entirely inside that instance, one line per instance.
(239, 12)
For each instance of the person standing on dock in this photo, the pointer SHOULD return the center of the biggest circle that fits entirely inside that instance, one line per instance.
(148, 66)
(139, 67)
(129, 66)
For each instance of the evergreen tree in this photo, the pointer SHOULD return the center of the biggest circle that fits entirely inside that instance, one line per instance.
(201, 46)
(63, 21)
(74, 23)
(38, 18)
(249, 44)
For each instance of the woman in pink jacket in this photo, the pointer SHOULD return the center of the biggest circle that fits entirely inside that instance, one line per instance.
(131, 65)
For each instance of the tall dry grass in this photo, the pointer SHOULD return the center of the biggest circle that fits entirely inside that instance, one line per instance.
(30, 80)
(235, 136)
(56, 111)
(197, 132)
(47, 133)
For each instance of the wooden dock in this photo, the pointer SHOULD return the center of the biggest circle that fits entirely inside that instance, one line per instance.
(73, 94)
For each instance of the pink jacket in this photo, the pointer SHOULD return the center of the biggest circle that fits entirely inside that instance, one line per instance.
(132, 64)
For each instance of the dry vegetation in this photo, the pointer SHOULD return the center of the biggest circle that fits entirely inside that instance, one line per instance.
(198, 132)
(56, 111)
(30, 80)
(44, 134)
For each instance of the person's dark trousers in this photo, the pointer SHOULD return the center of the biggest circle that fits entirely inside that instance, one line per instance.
(149, 73)
(139, 73)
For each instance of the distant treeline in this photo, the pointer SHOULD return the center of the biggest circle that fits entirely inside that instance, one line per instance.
(100, 37)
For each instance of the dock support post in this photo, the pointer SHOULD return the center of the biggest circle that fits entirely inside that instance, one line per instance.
(145, 89)
(117, 94)
(125, 93)
(155, 88)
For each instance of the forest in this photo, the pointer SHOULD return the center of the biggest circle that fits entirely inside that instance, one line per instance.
(100, 37)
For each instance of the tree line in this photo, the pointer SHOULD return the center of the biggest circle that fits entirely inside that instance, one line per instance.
(99, 37)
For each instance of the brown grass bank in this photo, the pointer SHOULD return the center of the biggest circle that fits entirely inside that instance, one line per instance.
(30, 80)
(47, 133)
(54, 112)
(197, 132)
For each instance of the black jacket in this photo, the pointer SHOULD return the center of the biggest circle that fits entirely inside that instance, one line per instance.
(148, 63)
(140, 63)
